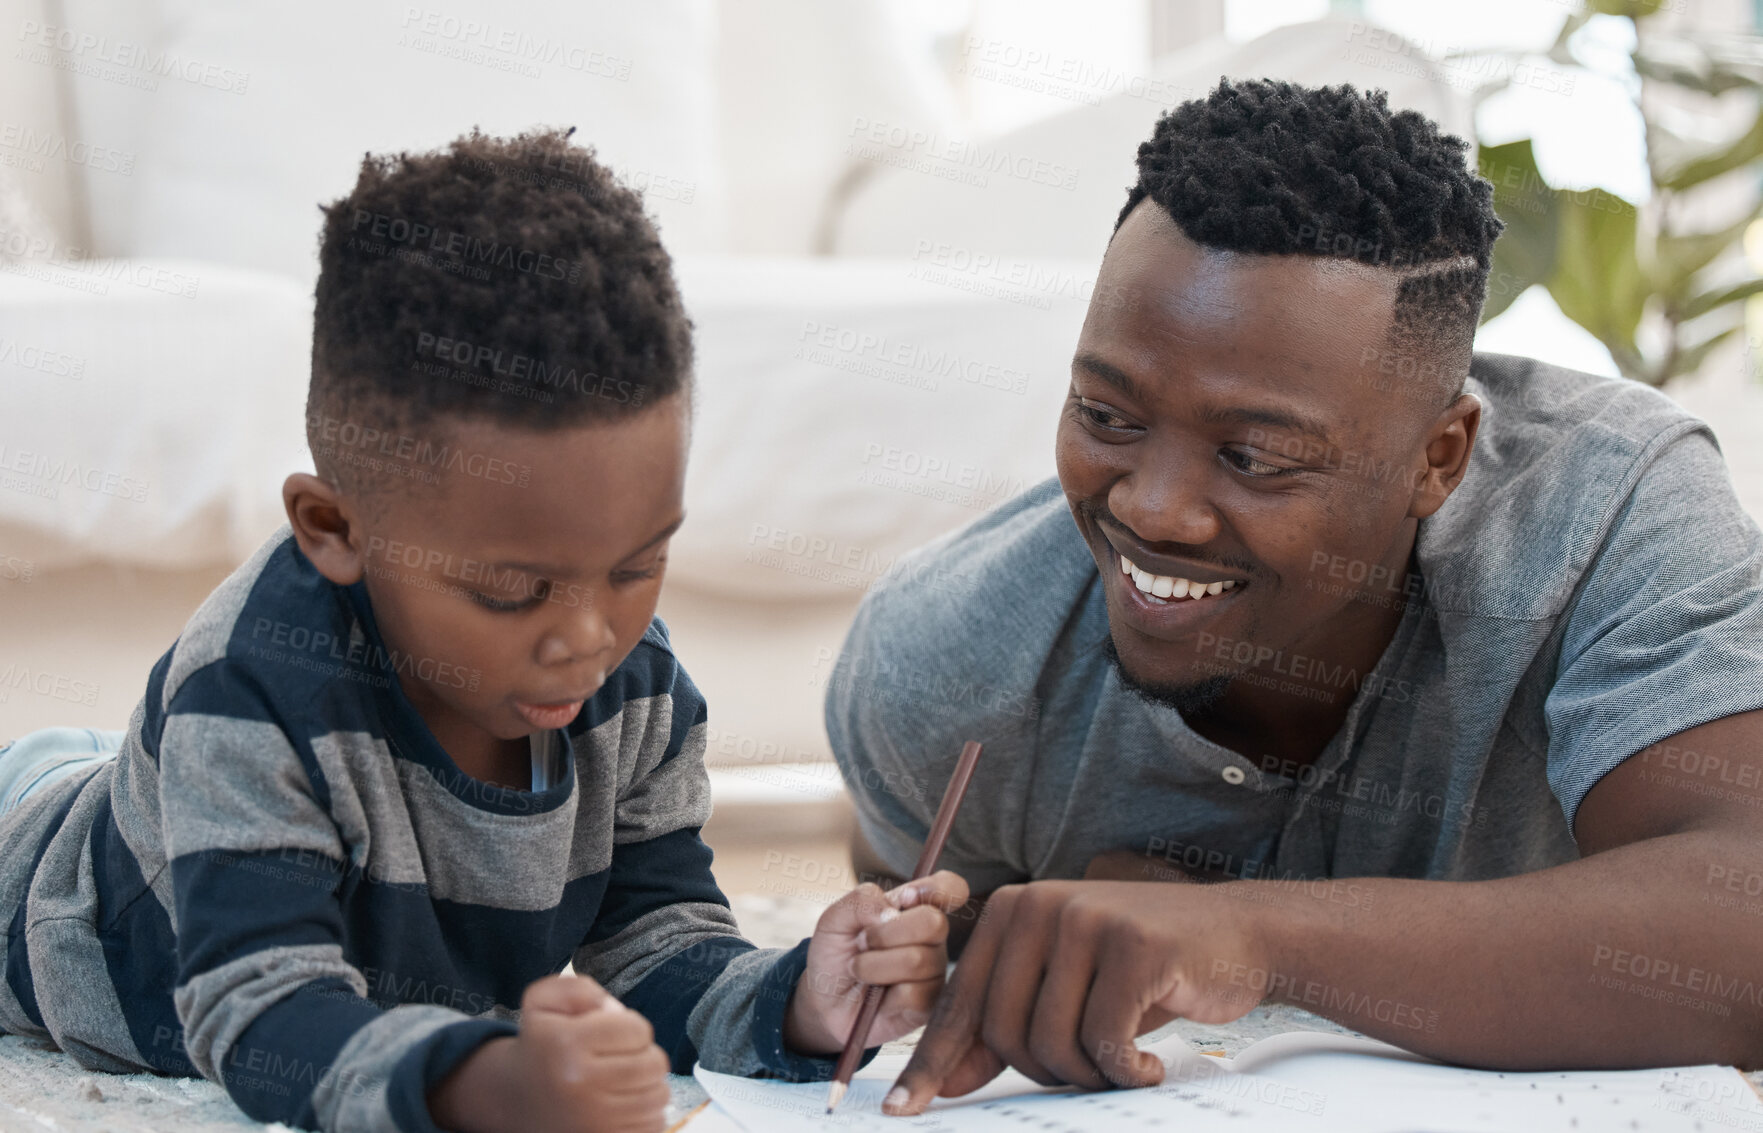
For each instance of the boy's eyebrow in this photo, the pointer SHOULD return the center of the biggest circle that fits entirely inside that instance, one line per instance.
(664, 533)
(552, 570)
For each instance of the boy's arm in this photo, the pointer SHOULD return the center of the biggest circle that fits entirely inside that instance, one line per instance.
(270, 1007)
(666, 943)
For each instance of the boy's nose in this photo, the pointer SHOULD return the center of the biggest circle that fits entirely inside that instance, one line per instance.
(578, 636)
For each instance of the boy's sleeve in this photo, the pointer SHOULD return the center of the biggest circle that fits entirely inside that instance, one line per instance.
(271, 1010)
(666, 943)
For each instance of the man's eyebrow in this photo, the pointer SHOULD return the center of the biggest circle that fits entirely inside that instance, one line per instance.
(552, 570)
(1108, 372)
(1273, 418)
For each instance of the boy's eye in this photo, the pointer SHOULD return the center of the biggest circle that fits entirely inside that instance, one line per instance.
(509, 605)
(639, 575)
(1249, 466)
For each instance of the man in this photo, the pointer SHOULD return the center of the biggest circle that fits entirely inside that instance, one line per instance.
(1443, 669)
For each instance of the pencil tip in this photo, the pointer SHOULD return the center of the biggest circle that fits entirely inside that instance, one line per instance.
(834, 1095)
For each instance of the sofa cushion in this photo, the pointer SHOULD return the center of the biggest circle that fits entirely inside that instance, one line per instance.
(246, 116)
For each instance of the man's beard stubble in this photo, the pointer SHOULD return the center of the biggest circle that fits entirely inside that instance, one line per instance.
(1189, 699)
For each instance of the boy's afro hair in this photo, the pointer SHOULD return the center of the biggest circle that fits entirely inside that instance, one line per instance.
(513, 279)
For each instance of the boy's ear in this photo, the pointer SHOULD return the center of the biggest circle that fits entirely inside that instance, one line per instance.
(324, 526)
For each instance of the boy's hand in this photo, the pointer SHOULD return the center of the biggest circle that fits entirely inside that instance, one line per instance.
(582, 1063)
(871, 937)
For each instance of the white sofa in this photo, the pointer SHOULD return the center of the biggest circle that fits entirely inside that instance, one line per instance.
(853, 403)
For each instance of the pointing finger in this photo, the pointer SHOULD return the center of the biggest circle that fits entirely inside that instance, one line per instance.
(951, 1038)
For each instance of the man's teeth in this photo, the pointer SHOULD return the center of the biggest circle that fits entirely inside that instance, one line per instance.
(1164, 586)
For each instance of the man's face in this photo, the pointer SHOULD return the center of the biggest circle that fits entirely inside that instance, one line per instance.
(1225, 428)
(515, 600)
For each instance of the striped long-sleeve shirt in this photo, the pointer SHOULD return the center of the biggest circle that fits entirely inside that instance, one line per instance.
(285, 884)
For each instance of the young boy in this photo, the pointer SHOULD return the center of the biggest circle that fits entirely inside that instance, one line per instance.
(430, 743)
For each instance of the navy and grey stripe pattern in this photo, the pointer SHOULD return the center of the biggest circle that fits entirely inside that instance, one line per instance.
(284, 884)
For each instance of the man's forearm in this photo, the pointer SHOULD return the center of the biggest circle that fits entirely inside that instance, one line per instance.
(1625, 958)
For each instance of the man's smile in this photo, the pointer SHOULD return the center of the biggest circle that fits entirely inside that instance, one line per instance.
(1164, 594)
(1164, 587)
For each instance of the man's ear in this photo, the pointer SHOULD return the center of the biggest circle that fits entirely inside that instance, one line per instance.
(1447, 455)
(325, 526)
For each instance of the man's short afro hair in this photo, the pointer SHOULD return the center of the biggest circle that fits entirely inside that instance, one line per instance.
(1269, 167)
(508, 279)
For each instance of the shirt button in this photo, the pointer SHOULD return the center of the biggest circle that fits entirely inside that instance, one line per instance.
(1233, 775)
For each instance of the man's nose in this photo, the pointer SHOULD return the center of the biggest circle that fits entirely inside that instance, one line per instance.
(1168, 498)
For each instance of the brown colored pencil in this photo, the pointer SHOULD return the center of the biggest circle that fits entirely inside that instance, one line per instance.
(927, 864)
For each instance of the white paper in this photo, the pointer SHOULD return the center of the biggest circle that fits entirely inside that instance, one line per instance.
(1301, 1081)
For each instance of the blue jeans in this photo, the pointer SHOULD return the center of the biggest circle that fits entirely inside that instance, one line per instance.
(37, 759)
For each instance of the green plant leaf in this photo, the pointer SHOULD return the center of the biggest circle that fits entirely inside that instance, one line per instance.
(1525, 252)
(1633, 9)
(1597, 282)
(1681, 255)
(1714, 300)
(1689, 359)
(1721, 159)
(1710, 62)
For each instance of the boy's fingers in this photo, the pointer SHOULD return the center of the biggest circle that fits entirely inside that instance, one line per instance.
(912, 1000)
(642, 1109)
(613, 1032)
(899, 965)
(943, 889)
(630, 1072)
(563, 995)
(923, 925)
(850, 913)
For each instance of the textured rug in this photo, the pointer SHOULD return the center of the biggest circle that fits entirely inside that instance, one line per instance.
(42, 1089)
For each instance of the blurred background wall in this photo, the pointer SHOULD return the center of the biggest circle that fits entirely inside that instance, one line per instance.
(886, 216)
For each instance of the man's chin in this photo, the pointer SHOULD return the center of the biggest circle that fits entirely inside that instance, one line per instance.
(1188, 699)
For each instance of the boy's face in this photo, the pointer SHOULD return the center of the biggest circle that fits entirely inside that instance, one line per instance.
(520, 581)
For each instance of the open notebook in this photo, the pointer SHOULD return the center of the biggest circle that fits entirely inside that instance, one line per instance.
(1303, 1080)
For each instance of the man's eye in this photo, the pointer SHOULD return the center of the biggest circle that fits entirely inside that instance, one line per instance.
(1100, 416)
(1249, 466)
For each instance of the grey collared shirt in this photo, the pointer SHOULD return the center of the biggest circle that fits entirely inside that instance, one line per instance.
(1590, 589)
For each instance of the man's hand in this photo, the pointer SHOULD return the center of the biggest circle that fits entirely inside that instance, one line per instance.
(582, 1063)
(895, 939)
(1131, 865)
(1062, 976)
